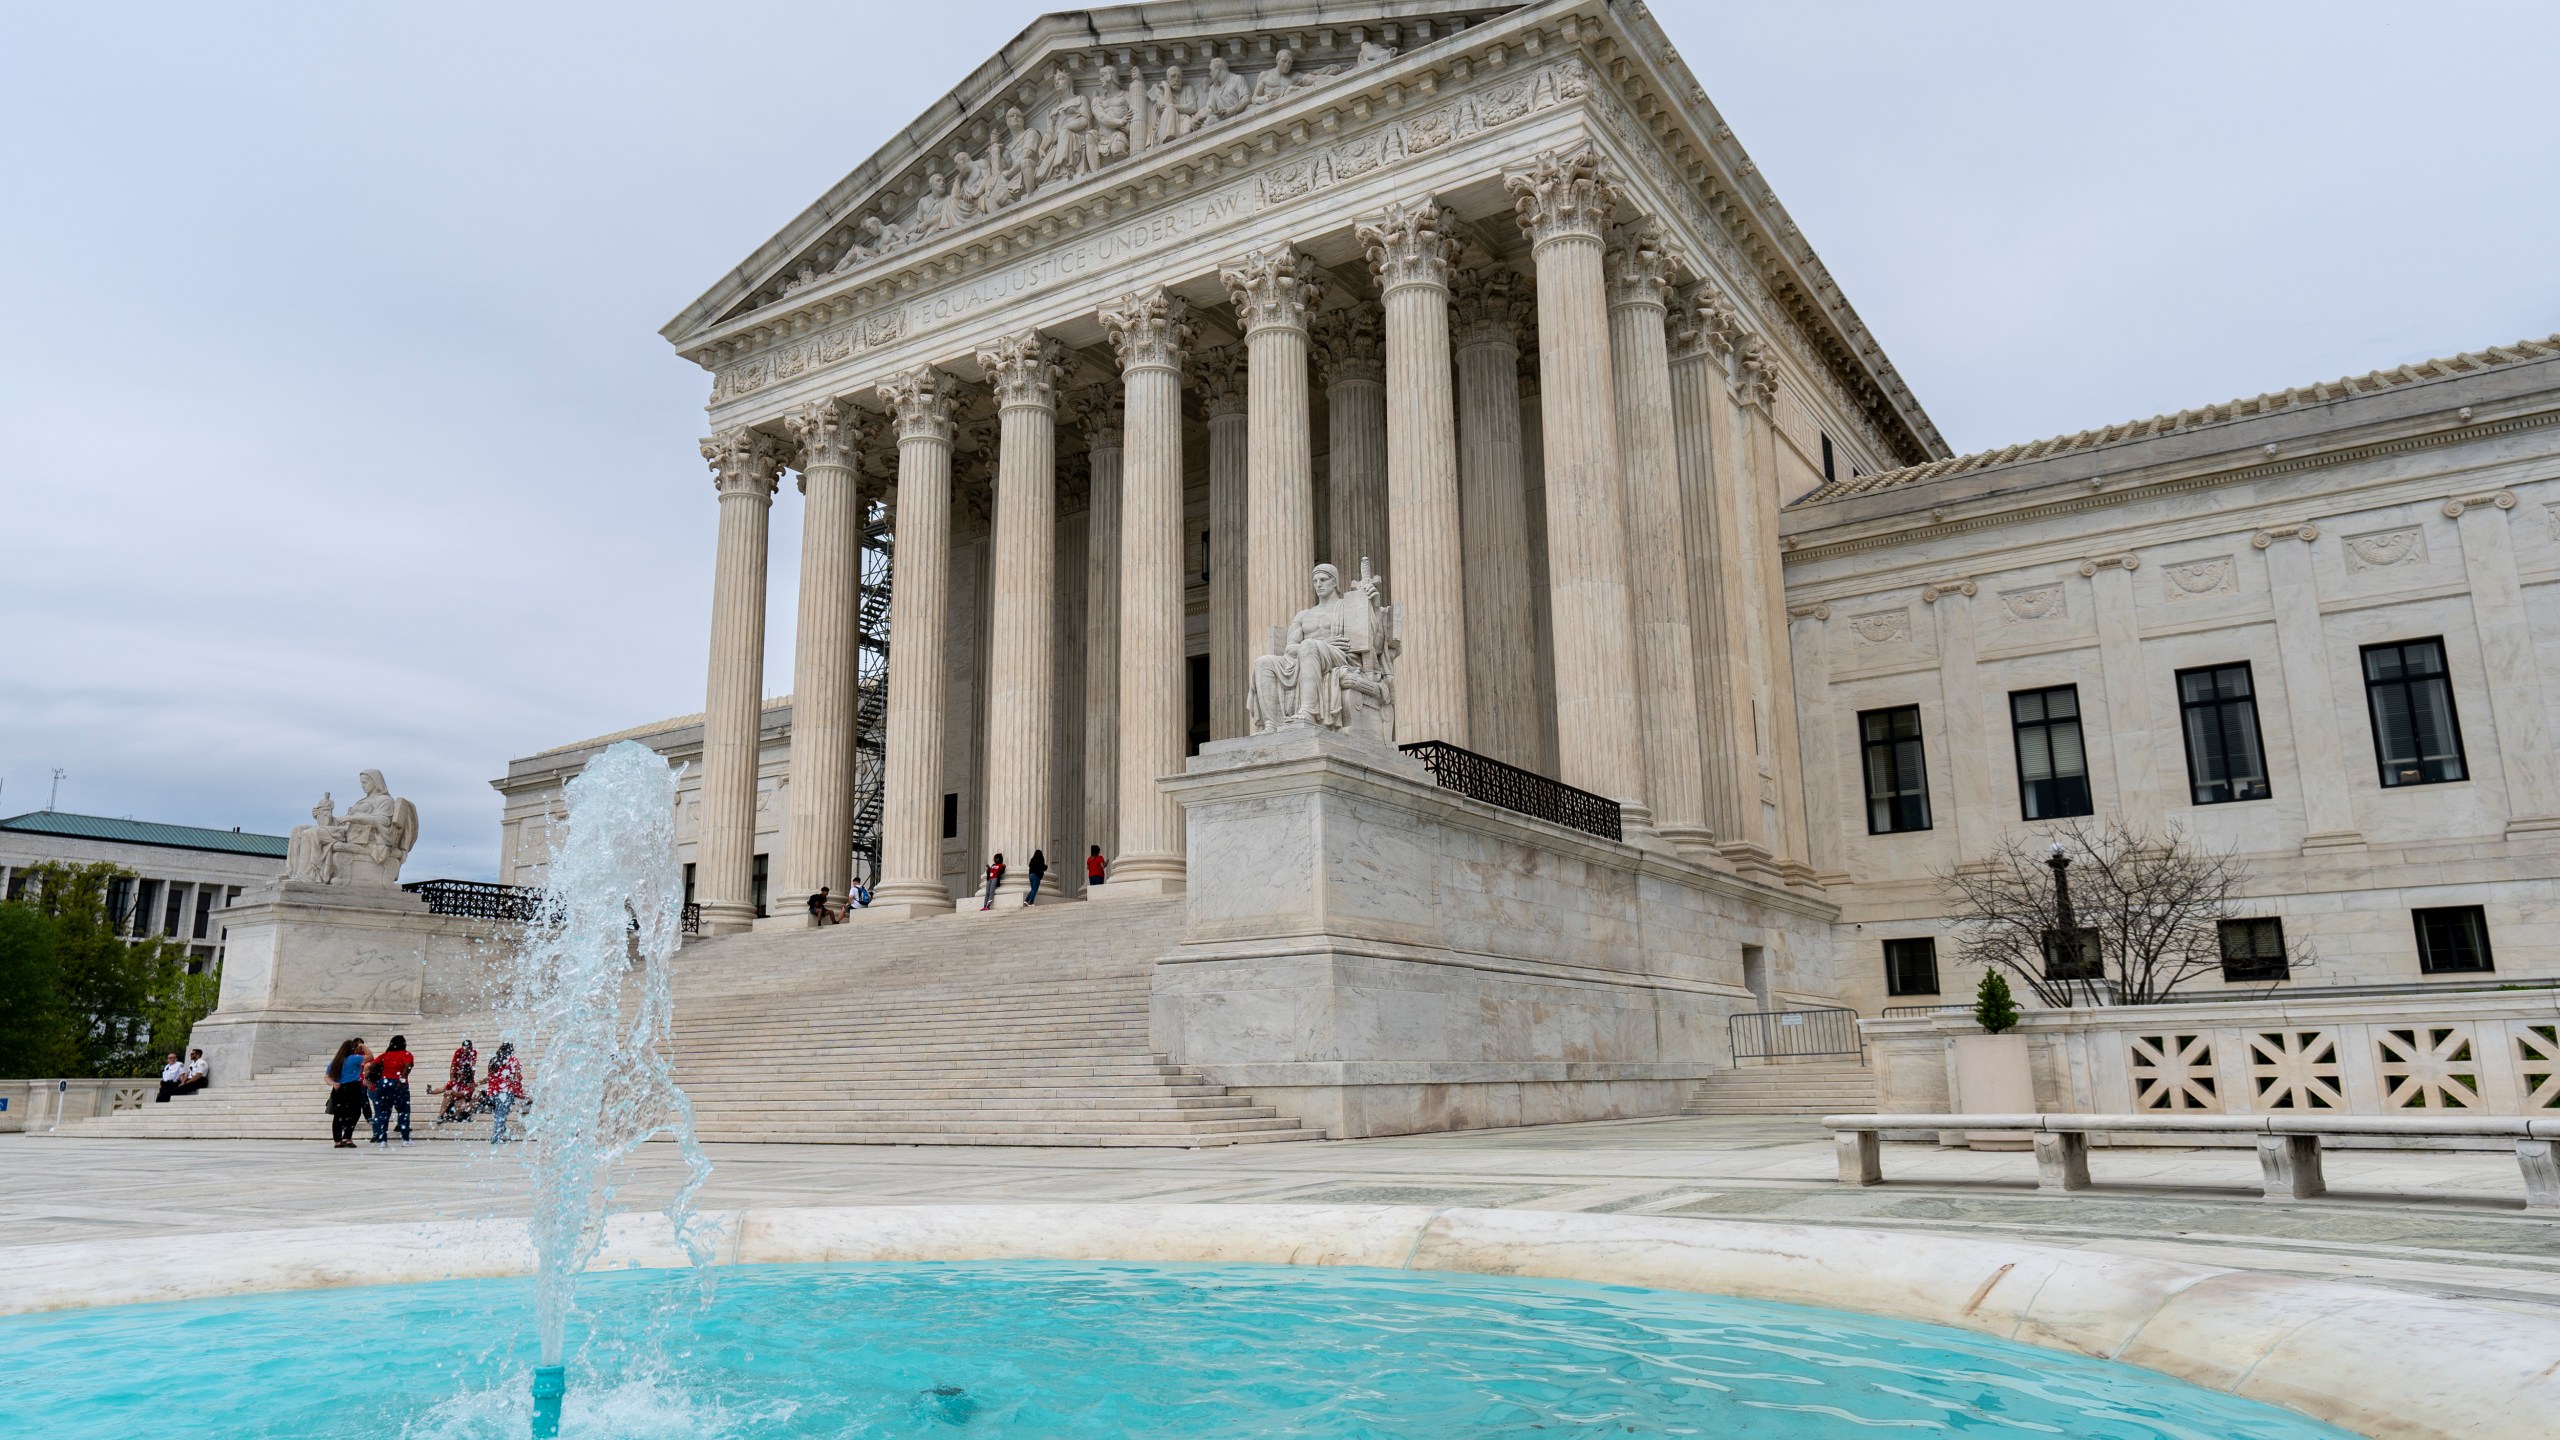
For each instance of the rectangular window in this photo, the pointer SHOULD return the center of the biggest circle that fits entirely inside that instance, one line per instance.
(688, 882)
(2452, 940)
(2415, 735)
(1196, 704)
(119, 902)
(2073, 955)
(2219, 708)
(760, 873)
(951, 816)
(1830, 467)
(204, 912)
(2053, 770)
(1897, 773)
(1911, 967)
(146, 900)
(1204, 557)
(177, 910)
(2253, 951)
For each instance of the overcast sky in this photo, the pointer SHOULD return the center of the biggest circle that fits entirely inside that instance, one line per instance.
(335, 430)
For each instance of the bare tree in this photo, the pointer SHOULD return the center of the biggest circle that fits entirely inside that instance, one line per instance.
(2145, 913)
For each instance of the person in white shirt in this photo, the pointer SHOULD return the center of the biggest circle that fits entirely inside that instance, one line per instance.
(171, 1075)
(199, 1073)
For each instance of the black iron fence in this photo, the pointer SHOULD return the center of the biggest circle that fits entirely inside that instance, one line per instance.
(521, 904)
(1481, 777)
(1786, 1034)
(1896, 1012)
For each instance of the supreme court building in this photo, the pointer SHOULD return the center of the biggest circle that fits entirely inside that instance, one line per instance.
(1080, 377)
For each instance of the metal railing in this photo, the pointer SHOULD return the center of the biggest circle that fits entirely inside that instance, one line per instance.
(517, 904)
(1786, 1034)
(1481, 777)
(1892, 1012)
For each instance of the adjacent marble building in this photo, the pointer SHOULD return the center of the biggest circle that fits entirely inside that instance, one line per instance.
(179, 877)
(1166, 303)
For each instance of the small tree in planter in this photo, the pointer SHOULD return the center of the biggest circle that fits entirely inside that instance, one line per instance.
(1994, 1008)
(2143, 917)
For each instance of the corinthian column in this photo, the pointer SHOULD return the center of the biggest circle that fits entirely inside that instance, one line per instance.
(1222, 403)
(1102, 627)
(1493, 507)
(1022, 630)
(1274, 292)
(817, 835)
(1351, 364)
(745, 467)
(1704, 328)
(911, 881)
(1150, 330)
(1640, 267)
(1410, 248)
(1563, 201)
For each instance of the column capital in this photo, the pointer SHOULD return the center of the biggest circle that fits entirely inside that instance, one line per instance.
(1705, 321)
(1643, 265)
(1490, 305)
(1221, 373)
(827, 432)
(924, 401)
(1411, 243)
(1149, 329)
(1349, 346)
(1564, 194)
(1096, 410)
(1023, 369)
(1275, 287)
(1755, 373)
(744, 461)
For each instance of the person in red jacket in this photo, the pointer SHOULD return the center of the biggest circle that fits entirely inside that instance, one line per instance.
(505, 1087)
(995, 877)
(391, 1090)
(1094, 867)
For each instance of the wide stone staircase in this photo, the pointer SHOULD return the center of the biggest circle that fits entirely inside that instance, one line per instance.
(285, 1104)
(1024, 1027)
(1801, 1088)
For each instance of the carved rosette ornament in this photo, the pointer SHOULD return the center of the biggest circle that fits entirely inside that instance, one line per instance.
(1023, 369)
(1411, 244)
(827, 432)
(1564, 193)
(1276, 287)
(924, 401)
(743, 461)
(1643, 265)
(1348, 346)
(1149, 329)
(1220, 373)
(1490, 304)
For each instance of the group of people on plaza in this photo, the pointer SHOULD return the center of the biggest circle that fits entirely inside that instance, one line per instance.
(184, 1077)
(364, 1084)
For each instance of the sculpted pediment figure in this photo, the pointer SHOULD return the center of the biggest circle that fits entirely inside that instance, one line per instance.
(365, 846)
(1333, 665)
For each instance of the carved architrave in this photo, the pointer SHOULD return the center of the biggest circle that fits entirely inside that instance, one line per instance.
(1023, 369)
(1149, 329)
(2191, 579)
(924, 400)
(1349, 345)
(2383, 549)
(1275, 287)
(744, 461)
(1564, 193)
(1413, 243)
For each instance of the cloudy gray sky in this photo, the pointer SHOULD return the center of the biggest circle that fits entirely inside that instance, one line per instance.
(335, 430)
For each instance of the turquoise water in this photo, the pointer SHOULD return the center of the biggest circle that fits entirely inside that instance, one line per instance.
(1065, 1351)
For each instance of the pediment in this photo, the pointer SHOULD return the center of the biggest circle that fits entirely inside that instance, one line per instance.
(1076, 96)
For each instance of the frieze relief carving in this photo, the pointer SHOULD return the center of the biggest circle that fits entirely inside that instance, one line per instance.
(2025, 607)
(2385, 548)
(2191, 579)
(1318, 168)
(1882, 627)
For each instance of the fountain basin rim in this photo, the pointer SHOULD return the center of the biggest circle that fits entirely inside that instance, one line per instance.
(2389, 1364)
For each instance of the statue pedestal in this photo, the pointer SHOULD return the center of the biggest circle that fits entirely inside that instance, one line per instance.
(307, 965)
(1375, 955)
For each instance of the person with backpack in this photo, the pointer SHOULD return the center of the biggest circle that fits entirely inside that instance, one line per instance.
(346, 1093)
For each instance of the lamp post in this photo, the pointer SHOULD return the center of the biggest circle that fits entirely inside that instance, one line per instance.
(2060, 860)
(2068, 954)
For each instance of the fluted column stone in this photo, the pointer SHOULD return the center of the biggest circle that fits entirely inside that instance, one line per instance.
(1533, 471)
(1492, 308)
(1563, 202)
(911, 883)
(1101, 415)
(1023, 371)
(1275, 292)
(1704, 328)
(1351, 365)
(1410, 249)
(745, 466)
(1640, 268)
(1150, 330)
(1223, 404)
(817, 836)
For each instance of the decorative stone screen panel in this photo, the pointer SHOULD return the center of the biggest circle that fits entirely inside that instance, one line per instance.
(2174, 1072)
(2296, 1070)
(2428, 1067)
(2538, 1066)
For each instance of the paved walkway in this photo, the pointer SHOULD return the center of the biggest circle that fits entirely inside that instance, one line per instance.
(2440, 1222)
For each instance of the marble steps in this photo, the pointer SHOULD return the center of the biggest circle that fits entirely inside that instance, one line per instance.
(285, 1103)
(1785, 1090)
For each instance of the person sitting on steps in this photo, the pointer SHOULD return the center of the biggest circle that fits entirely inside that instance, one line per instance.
(1095, 868)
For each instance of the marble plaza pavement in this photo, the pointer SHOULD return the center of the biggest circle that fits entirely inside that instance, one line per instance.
(2443, 1223)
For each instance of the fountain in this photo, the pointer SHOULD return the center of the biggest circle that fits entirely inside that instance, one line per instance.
(592, 997)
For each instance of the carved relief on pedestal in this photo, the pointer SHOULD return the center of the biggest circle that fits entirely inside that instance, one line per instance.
(1334, 664)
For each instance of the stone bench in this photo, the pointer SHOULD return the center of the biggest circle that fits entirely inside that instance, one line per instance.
(2288, 1145)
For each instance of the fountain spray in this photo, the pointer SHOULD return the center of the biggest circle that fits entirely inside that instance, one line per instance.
(592, 996)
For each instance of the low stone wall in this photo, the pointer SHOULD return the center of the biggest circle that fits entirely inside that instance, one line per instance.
(39, 1105)
(2482, 1052)
(1375, 955)
(305, 966)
